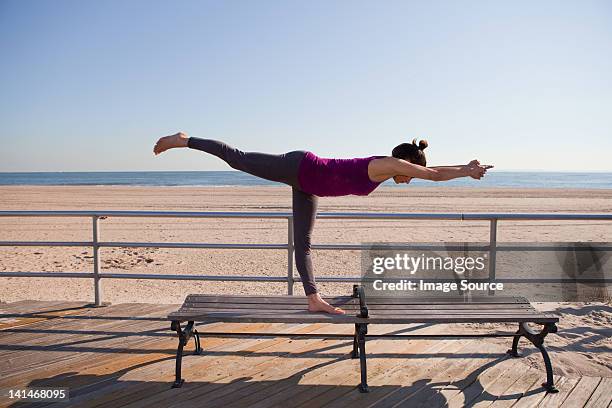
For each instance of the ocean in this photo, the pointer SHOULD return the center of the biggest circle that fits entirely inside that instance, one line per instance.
(235, 178)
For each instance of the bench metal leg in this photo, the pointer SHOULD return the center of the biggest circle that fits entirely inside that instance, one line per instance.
(355, 352)
(362, 330)
(198, 347)
(183, 337)
(537, 339)
(515, 340)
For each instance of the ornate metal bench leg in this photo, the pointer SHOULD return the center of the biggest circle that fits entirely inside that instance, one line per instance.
(538, 340)
(550, 382)
(184, 336)
(362, 330)
(355, 352)
(515, 340)
(196, 336)
(178, 381)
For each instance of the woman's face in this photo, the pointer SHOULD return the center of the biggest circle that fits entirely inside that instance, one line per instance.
(399, 179)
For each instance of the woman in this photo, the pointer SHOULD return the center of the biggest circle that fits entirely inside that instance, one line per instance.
(311, 177)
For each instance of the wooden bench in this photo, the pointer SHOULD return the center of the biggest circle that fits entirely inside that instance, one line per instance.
(292, 309)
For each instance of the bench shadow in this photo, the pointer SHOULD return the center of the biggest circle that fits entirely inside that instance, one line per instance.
(88, 388)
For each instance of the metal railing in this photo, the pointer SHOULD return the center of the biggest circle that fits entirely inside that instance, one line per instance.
(96, 244)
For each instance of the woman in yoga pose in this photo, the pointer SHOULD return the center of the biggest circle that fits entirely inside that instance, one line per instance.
(311, 177)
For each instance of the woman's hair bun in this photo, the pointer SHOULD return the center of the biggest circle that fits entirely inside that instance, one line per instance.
(422, 144)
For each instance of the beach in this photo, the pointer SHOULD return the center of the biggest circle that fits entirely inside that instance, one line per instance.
(590, 325)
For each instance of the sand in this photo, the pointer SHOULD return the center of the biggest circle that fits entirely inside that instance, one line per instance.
(583, 346)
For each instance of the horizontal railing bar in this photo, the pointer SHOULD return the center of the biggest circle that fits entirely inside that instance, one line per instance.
(47, 274)
(347, 279)
(284, 215)
(383, 246)
(189, 245)
(536, 216)
(47, 243)
(583, 247)
(160, 214)
(457, 247)
(497, 280)
(234, 278)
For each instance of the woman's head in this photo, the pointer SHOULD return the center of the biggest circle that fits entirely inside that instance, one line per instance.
(411, 152)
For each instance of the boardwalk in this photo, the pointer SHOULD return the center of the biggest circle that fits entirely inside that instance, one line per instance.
(123, 355)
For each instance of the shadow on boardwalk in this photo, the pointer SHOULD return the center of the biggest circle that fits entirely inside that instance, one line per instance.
(111, 390)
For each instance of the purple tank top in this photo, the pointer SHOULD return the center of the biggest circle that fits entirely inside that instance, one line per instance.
(335, 177)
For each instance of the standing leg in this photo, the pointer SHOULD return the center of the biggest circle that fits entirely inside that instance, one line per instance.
(304, 215)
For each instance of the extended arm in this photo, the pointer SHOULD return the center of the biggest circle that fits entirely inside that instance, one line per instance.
(440, 173)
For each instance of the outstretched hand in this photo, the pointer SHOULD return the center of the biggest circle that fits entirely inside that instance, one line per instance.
(476, 170)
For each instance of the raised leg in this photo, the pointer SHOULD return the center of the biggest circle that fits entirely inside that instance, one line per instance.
(361, 332)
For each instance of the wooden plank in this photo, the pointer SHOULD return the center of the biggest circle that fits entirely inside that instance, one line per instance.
(33, 312)
(72, 325)
(602, 396)
(288, 299)
(314, 380)
(499, 387)
(110, 387)
(345, 387)
(462, 380)
(20, 340)
(87, 315)
(582, 392)
(289, 378)
(32, 306)
(533, 395)
(565, 386)
(229, 309)
(225, 373)
(525, 383)
(53, 355)
(59, 354)
(417, 387)
(484, 381)
(419, 384)
(477, 380)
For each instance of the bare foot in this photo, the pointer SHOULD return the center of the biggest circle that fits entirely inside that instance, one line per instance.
(168, 142)
(316, 304)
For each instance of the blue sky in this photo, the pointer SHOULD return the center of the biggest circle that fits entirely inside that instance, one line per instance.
(90, 85)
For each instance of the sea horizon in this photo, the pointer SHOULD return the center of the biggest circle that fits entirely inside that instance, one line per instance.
(499, 178)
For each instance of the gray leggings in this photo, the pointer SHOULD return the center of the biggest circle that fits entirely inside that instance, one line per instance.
(282, 168)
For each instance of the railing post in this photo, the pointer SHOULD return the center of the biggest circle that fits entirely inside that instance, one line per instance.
(492, 251)
(290, 255)
(96, 261)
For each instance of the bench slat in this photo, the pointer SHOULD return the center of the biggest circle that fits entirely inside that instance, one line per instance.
(307, 317)
(355, 306)
(371, 311)
(347, 299)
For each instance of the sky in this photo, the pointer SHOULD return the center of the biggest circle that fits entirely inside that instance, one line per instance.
(91, 85)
